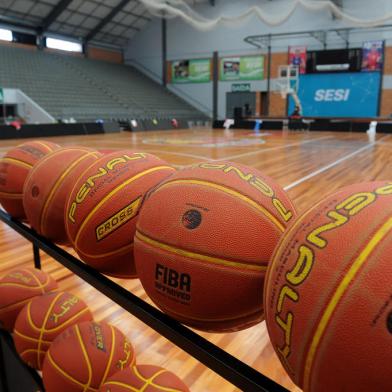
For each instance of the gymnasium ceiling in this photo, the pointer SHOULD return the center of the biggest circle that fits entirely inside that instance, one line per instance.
(111, 22)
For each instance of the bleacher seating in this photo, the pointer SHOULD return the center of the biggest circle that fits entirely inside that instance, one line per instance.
(87, 90)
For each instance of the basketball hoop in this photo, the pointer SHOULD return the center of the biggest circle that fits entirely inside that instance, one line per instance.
(288, 80)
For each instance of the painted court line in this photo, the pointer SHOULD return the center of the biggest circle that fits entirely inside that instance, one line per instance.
(184, 154)
(386, 144)
(333, 164)
(271, 149)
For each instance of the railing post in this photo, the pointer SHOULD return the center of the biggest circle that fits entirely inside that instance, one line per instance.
(215, 91)
(37, 257)
(164, 51)
(3, 370)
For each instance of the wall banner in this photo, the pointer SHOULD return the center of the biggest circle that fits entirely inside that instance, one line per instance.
(241, 68)
(372, 55)
(354, 94)
(191, 71)
(297, 56)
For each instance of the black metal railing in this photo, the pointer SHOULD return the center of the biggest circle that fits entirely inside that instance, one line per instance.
(233, 370)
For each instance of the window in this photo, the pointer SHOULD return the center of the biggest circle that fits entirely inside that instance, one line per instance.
(5, 35)
(69, 46)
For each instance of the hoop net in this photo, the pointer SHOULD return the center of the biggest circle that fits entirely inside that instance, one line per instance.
(287, 82)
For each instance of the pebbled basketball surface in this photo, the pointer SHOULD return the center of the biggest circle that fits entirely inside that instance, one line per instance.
(209, 223)
(104, 206)
(327, 294)
(144, 378)
(47, 189)
(14, 168)
(42, 320)
(84, 356)
(17, 288)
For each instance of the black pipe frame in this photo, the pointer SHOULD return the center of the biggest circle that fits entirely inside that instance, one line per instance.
(233, 370)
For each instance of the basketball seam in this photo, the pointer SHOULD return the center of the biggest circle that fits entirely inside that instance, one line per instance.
(86, 357)
(10, 195)
(17, 161)
(233, 192)
(11, 306)
(149, 381)
(44, 145)
(112, 193)
(43, 328)
(339, 292)
(121, 384)
(66, 375)
(101, 255)
(197, 256)
(108, 364)
(32, 350)
(12, 284)
(56, 185)
(18, 285)
(35, 340)
(227, 319)
(29, 318)
(40, 284)
(75, 316)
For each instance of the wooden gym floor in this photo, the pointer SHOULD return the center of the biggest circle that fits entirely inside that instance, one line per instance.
(308, 165)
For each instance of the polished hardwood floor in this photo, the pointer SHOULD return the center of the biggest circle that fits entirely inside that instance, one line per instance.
(308, 165)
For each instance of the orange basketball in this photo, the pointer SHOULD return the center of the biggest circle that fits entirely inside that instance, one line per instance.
(147, 378)
(42, 320)
(204, 240)
(47, 188)
(17, 288)
(328, 296)
(84, 356)
(104, 206)
(14, 168)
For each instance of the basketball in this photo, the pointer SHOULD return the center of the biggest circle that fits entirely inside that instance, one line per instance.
(42, 320)
(14, 168)
(328, 293)
(104, 206)
(47, 188)
(17, 288)
(204, 240)
(144, 378)
(84, 356)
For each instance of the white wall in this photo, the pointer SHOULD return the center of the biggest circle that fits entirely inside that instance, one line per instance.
(29, 110)
(185, 42)
(146, 49)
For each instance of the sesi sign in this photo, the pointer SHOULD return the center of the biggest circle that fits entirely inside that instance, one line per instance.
(332, 95)
(346, 94)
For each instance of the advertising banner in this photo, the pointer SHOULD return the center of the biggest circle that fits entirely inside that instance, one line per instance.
(372, 55)
(241, 68)
(297, 56)
(191, 71)
(338, 95)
